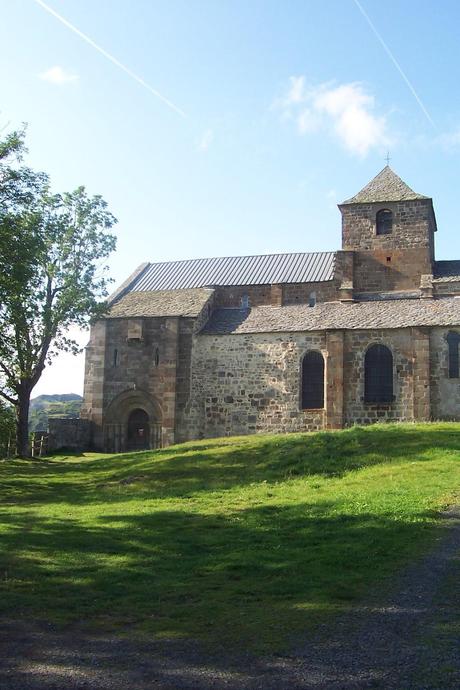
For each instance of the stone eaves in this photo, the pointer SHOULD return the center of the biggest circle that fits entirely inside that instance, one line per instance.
(402, 313)
(160, 303)
(386, 186)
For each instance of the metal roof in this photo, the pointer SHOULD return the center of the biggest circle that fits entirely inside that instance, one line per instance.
(267, 269)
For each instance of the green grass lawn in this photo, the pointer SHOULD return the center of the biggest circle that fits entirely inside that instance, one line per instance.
(248, 541)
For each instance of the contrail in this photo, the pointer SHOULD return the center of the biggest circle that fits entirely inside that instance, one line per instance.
(395, 62)
(110, 57)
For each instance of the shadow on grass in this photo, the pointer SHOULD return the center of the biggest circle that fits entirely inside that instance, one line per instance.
(253, 579)
(190, 468)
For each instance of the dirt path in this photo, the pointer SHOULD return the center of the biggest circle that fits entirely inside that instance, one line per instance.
(408, 642)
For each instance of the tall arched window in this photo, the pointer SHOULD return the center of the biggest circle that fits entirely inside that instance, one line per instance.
(378, 374)
(384, 222)
(312, 380)
(453, 341)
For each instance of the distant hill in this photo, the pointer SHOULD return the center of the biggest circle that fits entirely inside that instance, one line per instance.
(59, 405)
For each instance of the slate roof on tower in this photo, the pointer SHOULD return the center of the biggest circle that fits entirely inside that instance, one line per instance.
(386, 186)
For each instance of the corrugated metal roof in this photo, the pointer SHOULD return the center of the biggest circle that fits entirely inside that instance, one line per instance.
(267, 269)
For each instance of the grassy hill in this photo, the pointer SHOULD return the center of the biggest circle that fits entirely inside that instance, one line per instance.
(249, 541)
(60, 405)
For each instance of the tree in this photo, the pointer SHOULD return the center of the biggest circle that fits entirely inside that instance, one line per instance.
(52, 273)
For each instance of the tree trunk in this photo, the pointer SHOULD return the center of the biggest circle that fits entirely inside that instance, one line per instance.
(22, 422)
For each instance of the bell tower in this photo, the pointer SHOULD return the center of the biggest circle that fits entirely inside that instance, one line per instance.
(390, 230)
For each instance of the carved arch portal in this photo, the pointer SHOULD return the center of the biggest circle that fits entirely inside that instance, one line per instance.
(132, 421)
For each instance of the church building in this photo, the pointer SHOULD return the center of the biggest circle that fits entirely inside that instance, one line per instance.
(283, 342)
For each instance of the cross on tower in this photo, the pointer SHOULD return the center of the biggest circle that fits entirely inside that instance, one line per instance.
(388, 159)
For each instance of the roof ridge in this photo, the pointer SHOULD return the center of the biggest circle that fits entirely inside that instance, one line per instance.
(238, 256)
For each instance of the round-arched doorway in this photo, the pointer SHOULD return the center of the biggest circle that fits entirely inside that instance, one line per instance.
(138, 430)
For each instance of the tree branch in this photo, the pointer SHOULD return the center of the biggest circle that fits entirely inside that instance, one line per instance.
(8, 398)
(6, 371)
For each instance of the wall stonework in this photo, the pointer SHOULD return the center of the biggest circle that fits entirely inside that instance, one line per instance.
(445, 392)
(413, 226)
(394, 261)
(247, 384)
(73, 434)
(356, 410)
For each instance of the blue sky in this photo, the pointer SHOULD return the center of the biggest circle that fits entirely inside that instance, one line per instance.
(289, 108)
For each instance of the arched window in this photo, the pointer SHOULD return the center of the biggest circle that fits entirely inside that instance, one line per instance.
(378, 375)
(453, 340)
(312, 381)
(384, 222)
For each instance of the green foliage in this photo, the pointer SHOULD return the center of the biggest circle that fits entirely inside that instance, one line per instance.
(246, 542)
(45, 406)
(52, 272)
(7, 427)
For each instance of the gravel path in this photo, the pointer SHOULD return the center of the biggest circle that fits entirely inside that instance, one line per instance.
(407, 642)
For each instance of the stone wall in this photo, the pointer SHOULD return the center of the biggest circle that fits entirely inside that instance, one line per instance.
(145, 364)
(413, 226)
(445, 392)
(383, 270)
(395, 261)
(93, 392)
(72, 434)
(356, 410)
(249, 383)
(288, 293)
(141, 362)
(299, 293)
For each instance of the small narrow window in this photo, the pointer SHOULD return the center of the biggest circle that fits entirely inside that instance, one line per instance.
(245, 301)
(453, 340)
(312, 299)
(116, 359)
(384, 222)
(378, 375)
(156, 357)
(313, 381)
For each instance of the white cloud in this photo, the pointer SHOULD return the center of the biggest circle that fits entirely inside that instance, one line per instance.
(346, 111)
(58, 75)
(296, 93)
(206, 140)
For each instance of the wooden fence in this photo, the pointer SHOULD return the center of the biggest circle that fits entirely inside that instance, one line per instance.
(38, 445)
